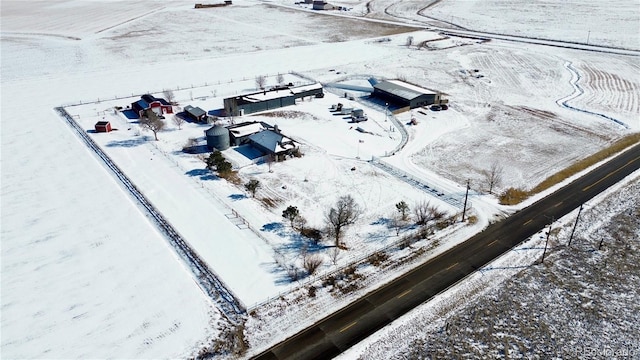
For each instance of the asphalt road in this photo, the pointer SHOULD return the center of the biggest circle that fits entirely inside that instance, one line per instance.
(346, 327)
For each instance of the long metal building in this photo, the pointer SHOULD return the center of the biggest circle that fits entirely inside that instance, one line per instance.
(402, 94)
(274, 98)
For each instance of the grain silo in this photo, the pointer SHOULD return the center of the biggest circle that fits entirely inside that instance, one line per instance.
(217, 138)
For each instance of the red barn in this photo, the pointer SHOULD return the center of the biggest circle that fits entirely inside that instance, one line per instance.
(158, 105)
(103, 126)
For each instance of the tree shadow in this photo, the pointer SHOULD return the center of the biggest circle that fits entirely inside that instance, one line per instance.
(204, 174)
(236, 197)
(274, 227)
(195, 150)
(130, 142)
(382, 221)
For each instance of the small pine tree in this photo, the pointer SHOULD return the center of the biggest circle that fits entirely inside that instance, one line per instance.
(252, 186)
(291, 213)
(403, 209)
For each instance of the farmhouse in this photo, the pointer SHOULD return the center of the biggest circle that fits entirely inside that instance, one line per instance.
(158, 105)
(195, 113)
(405, 95)
(261, 136)
(103, 126)
(272, 142)
(274, 98)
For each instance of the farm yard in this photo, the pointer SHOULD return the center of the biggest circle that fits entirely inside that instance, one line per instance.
(533, 109)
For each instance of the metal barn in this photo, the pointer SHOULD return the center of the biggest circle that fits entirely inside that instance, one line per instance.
(402, 94)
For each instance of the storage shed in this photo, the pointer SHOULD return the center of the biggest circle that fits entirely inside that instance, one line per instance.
(217, 138)
(195, 113)
(103, 126)
(402, 94)
(322, 5)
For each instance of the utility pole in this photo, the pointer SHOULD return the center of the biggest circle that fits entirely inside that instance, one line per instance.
(547, 242)
(588, 36)
(575, 225)
(466, 195)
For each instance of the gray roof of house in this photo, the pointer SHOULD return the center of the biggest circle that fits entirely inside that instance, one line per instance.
(401, 89)
(267, 139)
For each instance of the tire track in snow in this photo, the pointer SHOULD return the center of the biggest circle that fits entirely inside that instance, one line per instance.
(578, 91)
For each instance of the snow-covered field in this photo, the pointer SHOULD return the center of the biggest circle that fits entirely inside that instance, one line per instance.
(86, 274)
(581, 303)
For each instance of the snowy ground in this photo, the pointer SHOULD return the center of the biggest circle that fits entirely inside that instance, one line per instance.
(516, 307)
(80, 258)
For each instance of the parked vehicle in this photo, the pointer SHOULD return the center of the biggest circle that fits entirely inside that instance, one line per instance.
(358, 115)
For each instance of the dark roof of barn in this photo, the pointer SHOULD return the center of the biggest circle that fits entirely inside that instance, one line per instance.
(102, 123)
(402, 90)
(195, 111)
(148, 98)
(141, 104)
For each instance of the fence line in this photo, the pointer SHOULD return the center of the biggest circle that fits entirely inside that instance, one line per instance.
(190, 87)
(205, 277)
(419, 183)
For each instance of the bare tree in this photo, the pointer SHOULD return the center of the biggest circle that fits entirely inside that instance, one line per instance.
(421, 211)
(252, 186)
(409, 41)
(300, 223)
(493, 176)
(261, 80)
(403, 209)
(178, 120)
(334, 254)
(311, 262)
(345, 213)
(151, 121)
(190, 145)
(426, 212)
(396, 223)
(169, 96)
(280, 79)
(270, 159)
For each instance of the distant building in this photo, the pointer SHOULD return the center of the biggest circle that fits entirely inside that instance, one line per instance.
(271, 99)
(404, 95)
(195, 113)
(158, 105)
(322, 5)
(103, 126)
